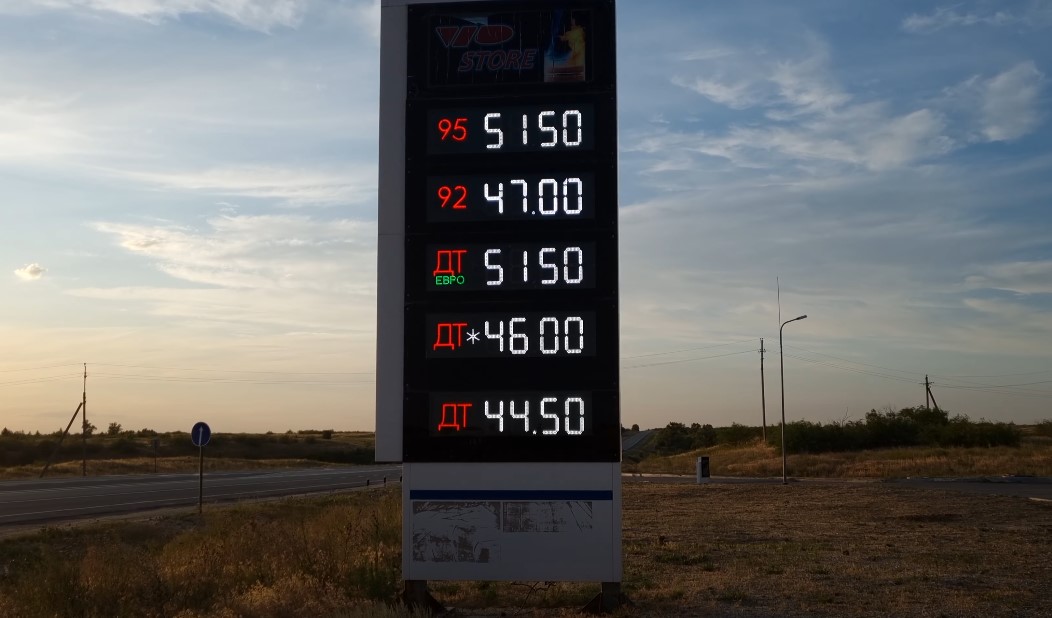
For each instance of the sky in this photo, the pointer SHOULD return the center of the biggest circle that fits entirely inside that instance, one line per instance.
(188, 206)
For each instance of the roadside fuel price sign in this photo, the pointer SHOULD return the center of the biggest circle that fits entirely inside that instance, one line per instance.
(511, 331)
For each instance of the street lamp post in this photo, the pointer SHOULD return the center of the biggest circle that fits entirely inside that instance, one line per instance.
(781, 369)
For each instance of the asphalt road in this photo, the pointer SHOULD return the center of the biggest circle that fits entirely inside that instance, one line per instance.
(630, 442)
(25, 502)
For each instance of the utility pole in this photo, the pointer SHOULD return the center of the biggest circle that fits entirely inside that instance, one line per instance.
(60, 439)
(927, 387)
(84, 424)
(763, 396)
(927, 393)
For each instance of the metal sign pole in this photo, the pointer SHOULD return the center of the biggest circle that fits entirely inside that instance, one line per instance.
(200, 435)
(201, 481)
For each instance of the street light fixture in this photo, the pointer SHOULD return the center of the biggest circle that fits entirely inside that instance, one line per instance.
(781, 368)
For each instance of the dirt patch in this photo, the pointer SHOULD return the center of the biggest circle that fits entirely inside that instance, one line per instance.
(859, 549)
(865, 549)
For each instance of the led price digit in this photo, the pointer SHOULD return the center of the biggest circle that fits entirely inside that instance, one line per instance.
(456, 129)
(573, 410)
(447, 193)
(568, 133)
(550, 196)
(519, 341)
(572, 267)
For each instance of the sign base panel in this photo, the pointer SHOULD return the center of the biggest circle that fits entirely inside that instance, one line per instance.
(512, 521)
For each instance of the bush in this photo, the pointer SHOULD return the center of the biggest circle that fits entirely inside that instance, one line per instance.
(962, 432)
(738, 434)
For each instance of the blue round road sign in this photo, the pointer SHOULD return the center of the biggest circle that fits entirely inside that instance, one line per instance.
(200, 434)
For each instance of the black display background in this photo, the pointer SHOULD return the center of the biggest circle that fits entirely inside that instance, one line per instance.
(597, 375)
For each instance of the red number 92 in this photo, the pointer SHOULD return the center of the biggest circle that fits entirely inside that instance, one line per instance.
(456, 130)
(460, 192)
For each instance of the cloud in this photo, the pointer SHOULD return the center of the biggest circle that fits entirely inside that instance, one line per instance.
(1035, 15)
(255, 252)
(806, 85)
(738, 95)
(34, 128)
(1004, 107)
(291, 186)
(30, 272)
(789, 87)
(906, 139)
(857, 136)
(259, 15)
(1019, 277)
(811, 119)
(1010, 102)
(252, 273)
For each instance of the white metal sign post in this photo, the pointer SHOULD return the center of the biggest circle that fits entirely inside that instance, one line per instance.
(497, 350)
(200, 435)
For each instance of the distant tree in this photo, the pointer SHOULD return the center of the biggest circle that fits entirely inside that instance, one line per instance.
(673, 438)
(703, 435)
(635, 426)
(114, 429)
(5, 432)
(326, 434)
(90, 429)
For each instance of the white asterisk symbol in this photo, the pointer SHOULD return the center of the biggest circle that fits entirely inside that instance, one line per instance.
(473, 336)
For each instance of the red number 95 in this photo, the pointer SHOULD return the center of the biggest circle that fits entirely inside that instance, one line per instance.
(457, 130)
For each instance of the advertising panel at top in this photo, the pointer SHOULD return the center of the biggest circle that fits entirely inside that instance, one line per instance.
(510, 323)
(512, 46)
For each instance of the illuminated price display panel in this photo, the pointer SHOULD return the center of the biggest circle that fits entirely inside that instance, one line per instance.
(545, 415)
(501, 266)
(469, 198)
(511, 331)
(500, 129)
(511, 334)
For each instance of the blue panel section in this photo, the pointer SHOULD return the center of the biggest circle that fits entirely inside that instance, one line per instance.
(502, 494)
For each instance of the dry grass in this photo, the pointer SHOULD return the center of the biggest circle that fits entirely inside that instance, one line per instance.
(1033, 458)
(308, 558)
(865, 549)
(851, 549)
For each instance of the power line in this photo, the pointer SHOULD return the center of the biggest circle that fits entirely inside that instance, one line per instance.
(707, 347)
(312, 373)
(984, 388)
(1002, 375)
(203, 380)
(1028, 394)
(851, 369)
(987, 385)
(687, 360)
(38, 368)
(906, 371)
(38, 380)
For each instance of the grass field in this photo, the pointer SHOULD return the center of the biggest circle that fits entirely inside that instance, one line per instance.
(850, 549)
(1032, 458)
(132, 453)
